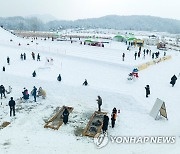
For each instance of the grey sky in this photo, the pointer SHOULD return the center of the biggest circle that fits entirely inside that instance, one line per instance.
(78, 9)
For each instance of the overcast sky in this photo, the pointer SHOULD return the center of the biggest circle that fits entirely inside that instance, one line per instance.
(78, 9)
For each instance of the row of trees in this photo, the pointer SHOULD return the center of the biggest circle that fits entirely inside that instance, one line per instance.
(146, 23)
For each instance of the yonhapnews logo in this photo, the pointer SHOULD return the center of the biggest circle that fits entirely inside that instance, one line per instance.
(101, 140)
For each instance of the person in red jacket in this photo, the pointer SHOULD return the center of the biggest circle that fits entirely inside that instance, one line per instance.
(113, 117)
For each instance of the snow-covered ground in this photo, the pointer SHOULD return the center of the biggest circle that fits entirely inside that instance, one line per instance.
(107, 76)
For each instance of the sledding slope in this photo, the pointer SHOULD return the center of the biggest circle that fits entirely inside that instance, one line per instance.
(105, 79)
(6, 35)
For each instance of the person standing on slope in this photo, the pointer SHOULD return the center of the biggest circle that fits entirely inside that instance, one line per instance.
(34, 93)
(105, 123)
(59, 78)
(85, 83)
(2, 91)
(33, 55)
(113, 117)
(65, 116)
(38, 57)
(173, 80)
(99, 102)
(12, 106)
(147, 90)
(8, 60)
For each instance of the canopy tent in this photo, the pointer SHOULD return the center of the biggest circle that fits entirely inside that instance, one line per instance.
(88, 41)
(159, 107)
(139, 42)
(131, 39)
(118, 38)
(94, 43)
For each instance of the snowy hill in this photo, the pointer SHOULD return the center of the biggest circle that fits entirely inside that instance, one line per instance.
(134, 22)
(107, 76)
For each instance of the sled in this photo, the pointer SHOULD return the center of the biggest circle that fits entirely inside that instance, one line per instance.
(130, 76)
(21, 100)
(4, 124)
(57, 120)
(95, 124)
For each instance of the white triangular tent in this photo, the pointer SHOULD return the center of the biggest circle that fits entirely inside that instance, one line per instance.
(159, 107)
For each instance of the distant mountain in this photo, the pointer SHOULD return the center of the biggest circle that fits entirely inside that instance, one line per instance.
(135, 22)
(140, 23)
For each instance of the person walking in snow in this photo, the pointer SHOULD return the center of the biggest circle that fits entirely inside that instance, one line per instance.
(34, 74)
(99, 102)
(144, 51)
(105, 123)
(24, 56)
(139, 54)
(4, 69)
(164, 53)
(33, 55)
(113, 117)
(147, 51)
(8, 60)
(173, 80)
(2, 91)
(135, 55)
(147, 90)
(65, 116)
(85, 83)
(153, 56)
(34, 93)
(59, 78)
(21, 56)
(123, 56)
(12, 106)
(38, 57)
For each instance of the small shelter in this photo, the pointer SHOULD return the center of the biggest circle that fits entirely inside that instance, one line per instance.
(158, 108)
(118, 38)
(161, 46)
(139, 42)
(152, 40)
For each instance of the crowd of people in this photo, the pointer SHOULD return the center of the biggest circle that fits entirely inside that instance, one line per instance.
(140, 53)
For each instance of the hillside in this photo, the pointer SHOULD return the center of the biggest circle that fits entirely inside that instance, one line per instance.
(107, 75)
(139, 23)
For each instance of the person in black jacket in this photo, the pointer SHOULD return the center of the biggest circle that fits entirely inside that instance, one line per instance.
(147, 90)
(4, 69)
(34, 93)
(173, 80)
(113, 117)
(24, 56)
(59, 77)
(85, 83)
(105, 123)
(21, 56)
(38, 57)
(8, 60)
(2, 91)
(12, 106)
(34, 74)
(65, 116)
